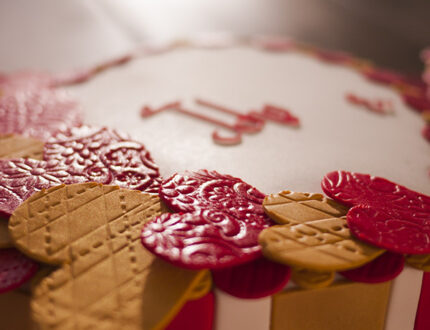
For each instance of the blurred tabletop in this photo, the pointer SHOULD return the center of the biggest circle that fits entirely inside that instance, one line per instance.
(57, 35)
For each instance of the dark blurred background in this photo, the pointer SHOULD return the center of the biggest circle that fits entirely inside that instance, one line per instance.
(52, 34)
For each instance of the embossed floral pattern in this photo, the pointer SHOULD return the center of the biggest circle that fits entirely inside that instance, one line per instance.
(105, 156)
(20, 178)
(220, 228)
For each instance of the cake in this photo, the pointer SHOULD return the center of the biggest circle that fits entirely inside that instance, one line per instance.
(342, 113)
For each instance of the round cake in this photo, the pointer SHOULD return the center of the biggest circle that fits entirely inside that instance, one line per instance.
(206, 105)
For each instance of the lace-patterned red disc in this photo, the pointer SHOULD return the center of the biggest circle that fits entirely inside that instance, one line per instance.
(15, 269)
(37, 112)
(382, 269)
(20, 178)
(256, 279)
(210, 190)
(202, 239)
(385, 214)
(106, 156)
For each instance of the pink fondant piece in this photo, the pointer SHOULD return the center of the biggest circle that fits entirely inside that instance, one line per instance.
(256, 279)
(106, 156)
(20, 178)
(384, 213)
(37, 112)
(15, 269)
(202, 239)
(384, 268)
(280, 115)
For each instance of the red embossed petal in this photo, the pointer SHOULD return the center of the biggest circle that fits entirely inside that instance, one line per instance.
(394, 232)
(385, 214)
(384, 268)
(37, 112)
(15, 269)
(105, 156)
(211, 190)
(20, 178)
(202, 239)
(256, 279)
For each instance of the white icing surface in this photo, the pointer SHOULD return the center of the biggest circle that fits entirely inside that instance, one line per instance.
(405, 294)
(234, 313)
(334, 135)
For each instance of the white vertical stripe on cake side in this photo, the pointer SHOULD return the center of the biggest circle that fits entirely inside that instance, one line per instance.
(232, 313)
(405, 295)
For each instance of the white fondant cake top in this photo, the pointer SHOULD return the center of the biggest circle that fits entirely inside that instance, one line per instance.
(334, 134)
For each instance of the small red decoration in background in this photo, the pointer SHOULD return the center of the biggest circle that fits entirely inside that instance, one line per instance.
(382, 107)
(15, 269)
(249, 123)
(382, 76)
(383, 213)
(384, 268)
(220, 229)
(256, 279)
(195, 315)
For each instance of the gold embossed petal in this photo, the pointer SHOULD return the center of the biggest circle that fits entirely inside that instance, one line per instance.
(314, 234)
(308, 279)
(106, 280)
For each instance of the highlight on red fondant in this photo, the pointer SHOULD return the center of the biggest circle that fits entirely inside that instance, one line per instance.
(195, 315)
(20, 178)
(383, 213)
(256, 279)
(203, 239)
(220, 228)
(383, 107)
(104, 155)
(422, 317)
(15, 269)
(37, 112)
(245, 123)
(382, 269)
